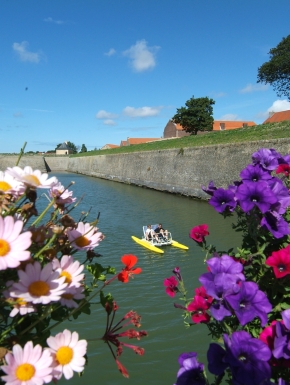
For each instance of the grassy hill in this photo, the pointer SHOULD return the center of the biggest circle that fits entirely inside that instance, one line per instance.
(261, 132)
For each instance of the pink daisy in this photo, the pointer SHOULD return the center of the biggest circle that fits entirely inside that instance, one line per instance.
(9, 185)
(85, 236)
(13, 245)
(68, 353)
(72, 293)
(19, 305)
(38, 285)
(70, 269)
(32, 178)
(27, 366)
(61, 195)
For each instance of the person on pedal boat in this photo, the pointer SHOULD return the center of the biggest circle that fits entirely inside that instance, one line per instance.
(161, 232)
(150, 234)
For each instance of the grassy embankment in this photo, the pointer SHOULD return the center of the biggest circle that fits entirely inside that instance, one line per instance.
(261, 132)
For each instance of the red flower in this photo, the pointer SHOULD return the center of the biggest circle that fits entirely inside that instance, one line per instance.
(198, 308)
(283, 169)
(280, 261)
(128, 271)
(200, 291)
(171, 286)
(198, 233)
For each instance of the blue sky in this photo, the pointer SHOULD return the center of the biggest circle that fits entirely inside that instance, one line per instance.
(98, 71)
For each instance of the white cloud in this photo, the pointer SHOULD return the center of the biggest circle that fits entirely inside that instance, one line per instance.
(102, 114)
(21, 50)
(111, 52)
(51, 20)
(141, 112)
(229, 117)
(279, 105)
(109, 122)
(17, 114)
(142, 57)
(254, 88)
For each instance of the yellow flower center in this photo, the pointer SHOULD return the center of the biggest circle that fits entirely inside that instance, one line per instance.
(67, 296)
(4, 186)
(32, 179)
(21, 302)
(82, 241)
(67, 276)
(38, 288)
(25, 372)
(64, 355)
(4, 247)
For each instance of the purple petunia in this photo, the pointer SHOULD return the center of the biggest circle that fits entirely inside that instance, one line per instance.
(255, 173)
(276, 224)
(249, 303)
(191, 371)
(222, 200)
(281, 193)
(210, 189)
(267, 158)
(258, 194)
(247, 358)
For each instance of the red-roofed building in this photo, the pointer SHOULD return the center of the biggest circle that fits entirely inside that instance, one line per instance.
(278, 116)
(109, 146)
(131, 141)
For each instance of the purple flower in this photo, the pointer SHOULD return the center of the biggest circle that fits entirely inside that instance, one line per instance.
(282, 194)
(250, 302)
(191, 371)
(245, 356)
(275, 224)
(255, 173)
(258, 194)
(267, 158)
(282, 342)
(222, 200)
(210, 189)
(286, 318)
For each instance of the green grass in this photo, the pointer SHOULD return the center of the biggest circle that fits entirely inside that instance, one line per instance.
(261, 132)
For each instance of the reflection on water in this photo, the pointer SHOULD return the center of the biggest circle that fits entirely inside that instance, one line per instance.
(124, 210)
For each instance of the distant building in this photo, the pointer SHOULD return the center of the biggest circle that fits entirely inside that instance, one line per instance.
(173, 130)
(278, 116)
(108, 146)
(131, 141)
(64, 149)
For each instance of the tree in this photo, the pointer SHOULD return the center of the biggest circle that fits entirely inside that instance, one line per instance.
(71, 145)
(196, 115)
(277, 70)
(84, 148)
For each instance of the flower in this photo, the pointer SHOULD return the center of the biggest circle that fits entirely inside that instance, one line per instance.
(198, 233)
(9, 185)
(191, 371)
(68, 353)
(276, 224)
(267, 158)
(283, 169)
(171, 286)
(85, 236)
(62, 196)
(13, 243)
(255, 173)
(29, 365)
(250, 302)
(129, 261)
(38, 285)
(198, 309)
(176, 272)
(223, 200)
(251, 194)
(280, 261)
(202, 293)
(70, 294)
(32, 178)
(70, 269)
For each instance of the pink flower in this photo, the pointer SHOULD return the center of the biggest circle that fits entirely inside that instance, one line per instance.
(283, 169)
(200, 291)
(280, 261)
(72, 293)
(27, 366)
(198, 309)
(198, 233)
(85, 236)
(171, 286)
(68, 354)
(13, 244)
(70, 269)
(31, 178)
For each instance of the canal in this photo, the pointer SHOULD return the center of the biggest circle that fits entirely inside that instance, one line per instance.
(123, 210)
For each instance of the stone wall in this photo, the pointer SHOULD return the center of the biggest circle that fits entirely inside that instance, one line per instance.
(180, 171)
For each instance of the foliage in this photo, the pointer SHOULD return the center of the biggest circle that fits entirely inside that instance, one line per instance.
(197, 115)
(71, 145)
(83, 148)
(244, 299)
(277, 70)
(260, 132)
(42, 281)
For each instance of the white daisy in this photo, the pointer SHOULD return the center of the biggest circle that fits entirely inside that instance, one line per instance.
(27, 366)
(85, 236)
(70, 269)
(38, 285)
(32, 178)
(68, 353)
(72, 293)
(13, 243)
(9, 185)
(61, 195)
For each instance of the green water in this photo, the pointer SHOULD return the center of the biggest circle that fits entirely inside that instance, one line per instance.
(124, 210)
